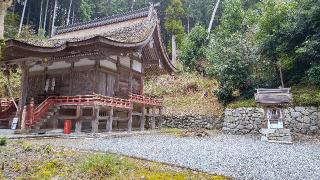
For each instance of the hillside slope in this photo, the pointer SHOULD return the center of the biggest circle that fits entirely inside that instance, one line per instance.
(185, 94)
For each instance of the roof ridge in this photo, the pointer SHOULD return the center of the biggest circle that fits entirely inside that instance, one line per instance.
(103, 21)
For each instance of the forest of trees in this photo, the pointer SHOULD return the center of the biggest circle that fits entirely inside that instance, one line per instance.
(251, 43)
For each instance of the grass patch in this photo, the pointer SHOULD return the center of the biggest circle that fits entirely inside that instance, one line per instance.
(172, 131)
(3, 141)
(102, 166)
(242, 103)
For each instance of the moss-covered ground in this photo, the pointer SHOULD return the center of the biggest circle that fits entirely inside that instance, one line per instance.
(24, 160)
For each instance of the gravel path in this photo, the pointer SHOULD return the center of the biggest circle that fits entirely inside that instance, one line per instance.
(236, 156)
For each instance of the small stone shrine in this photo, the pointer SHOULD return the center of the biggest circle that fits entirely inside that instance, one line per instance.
(273, 101)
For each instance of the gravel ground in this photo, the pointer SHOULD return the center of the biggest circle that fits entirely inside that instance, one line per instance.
(236, 156)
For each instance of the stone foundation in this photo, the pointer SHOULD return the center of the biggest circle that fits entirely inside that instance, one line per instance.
(187, 122)
(303, 120)
(276, 135)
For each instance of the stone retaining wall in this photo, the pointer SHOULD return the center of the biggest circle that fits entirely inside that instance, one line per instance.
(304, 120)
(187, 122)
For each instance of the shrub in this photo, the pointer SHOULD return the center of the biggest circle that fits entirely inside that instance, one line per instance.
(314, 75)
(3, 141)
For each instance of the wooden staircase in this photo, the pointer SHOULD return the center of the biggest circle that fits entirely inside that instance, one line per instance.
(46, 117)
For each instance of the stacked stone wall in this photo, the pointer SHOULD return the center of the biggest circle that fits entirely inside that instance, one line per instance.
(187, 122)
(303, 120)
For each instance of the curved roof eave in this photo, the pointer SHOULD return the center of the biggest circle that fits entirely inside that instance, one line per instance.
(164, 52)
(65, 45)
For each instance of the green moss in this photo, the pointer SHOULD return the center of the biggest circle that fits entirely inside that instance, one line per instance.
(49, 169)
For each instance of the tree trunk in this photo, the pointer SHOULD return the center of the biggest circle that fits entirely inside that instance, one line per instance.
(281, 75)
(22, 17)
(28, 15)
(72, 22)
(212, 17)
(189, 18)
(45, 16)
(69, 12)
(54, 17)
(174, 49)
(40, 17)
(3, 11)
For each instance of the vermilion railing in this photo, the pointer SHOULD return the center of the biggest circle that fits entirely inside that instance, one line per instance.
(142, 99)
(35, 115)
(8, 110)
(5, 104)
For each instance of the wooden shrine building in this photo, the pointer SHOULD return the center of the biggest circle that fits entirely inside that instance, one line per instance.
(273, 102)
(92, 73)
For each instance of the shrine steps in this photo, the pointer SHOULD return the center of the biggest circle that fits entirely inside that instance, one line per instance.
(46, 118)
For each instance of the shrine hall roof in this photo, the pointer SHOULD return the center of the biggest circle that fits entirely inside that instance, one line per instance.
(128, 28)
(131, 31)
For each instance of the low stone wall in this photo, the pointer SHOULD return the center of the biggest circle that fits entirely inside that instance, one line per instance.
(304, 120)
(243, 120)
(187, 122)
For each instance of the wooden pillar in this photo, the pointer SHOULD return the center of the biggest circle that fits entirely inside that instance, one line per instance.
(71, 78)
(130, 76)
(24, 118)
(153, 119)
(118, 76)
(30, 113)
(78, 120)
(160, 117)
(95, 121)
(96, 76)
(110, 120)
(142, 80)
(142, 118)
(147, 118)
(142, 85)
(23, 89)
(130, 121)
